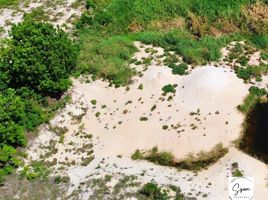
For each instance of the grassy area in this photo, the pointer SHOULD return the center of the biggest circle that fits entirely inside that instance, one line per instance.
(186, 27)
(7, 3)
(192, 162)
(106, 58)
(254, 96)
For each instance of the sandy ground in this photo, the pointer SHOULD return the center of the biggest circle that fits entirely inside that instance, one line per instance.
(61, 13)
(201, 114)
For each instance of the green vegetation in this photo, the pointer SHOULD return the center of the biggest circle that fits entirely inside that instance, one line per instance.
(36, 170)
(203, 159)
(35, 65)
(235, 170)
(143, 118)
(107, 58)
(180, 69)
(255, 95)
(169, 89)
(137, 155)
(7, 3)
(108, 28)
(153, 191)
(193, 162)
(38, 57)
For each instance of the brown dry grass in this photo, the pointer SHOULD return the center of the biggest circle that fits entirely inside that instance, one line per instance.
(178, 22)
(257, 16)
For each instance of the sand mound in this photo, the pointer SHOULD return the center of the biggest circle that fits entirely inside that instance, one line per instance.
(209, 88)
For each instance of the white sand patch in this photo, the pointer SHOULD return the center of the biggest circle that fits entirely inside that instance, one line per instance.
(201, 114)
(209, 88)
(62, 14)
(213, 182)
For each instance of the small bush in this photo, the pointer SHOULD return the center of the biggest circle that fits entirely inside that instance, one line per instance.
(203, 159)
(244, 73)
(143, 118)
(248, 104)
(180, 69)
(137, 155)
(93, 102)
(257, 91)
(154, 192)
(169, 89)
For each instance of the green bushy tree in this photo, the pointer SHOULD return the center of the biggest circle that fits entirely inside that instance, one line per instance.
(39, 57)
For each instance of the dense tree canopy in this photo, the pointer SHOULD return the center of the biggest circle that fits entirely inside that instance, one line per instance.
(39, 57)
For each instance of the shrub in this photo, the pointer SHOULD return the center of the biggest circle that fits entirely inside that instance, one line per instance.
(169, 89)
(249, 102)
(93, 102)
(237, 173)
(143, 118)
(257, 91)
(154, 192)
(8, 161)
(161, 158)
(202, 159)
(180, 69)
(12, 116)
(244, 73)
(39, 57)
(90, 4)
(137, 155)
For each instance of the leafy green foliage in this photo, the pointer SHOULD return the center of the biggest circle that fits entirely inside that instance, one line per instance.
(154, 192)
(244, 73)
(193, 162)
(39, 57)
(180, 69)
(8, 161)
(6, 3)
(249, 102)
(161, 158)
(36, 170)
(257, 91)
(137, 155)
(169, 89)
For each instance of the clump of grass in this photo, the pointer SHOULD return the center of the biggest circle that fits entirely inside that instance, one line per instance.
(140, 87)
(143, 118)
(248, 103)
(252, 98)
(93, 102)
(106, 58)
(235, 170)
(153, 191)
(165, 127)
(244, 73)
(192, 162)
(193, 51)
(203, 159)
(137, 155)
(153, 108)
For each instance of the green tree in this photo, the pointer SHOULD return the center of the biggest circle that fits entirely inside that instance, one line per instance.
(39, 57)
(12, 113)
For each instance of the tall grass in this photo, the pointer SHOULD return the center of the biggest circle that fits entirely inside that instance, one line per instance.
(6, 3)
(192, 162)
(105, 54)
(107, 58)
(184, 43)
